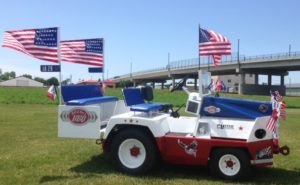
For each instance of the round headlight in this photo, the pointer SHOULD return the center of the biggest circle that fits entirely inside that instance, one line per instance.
(260, 133)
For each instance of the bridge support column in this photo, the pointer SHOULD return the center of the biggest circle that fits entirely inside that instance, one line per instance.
(241, 82)
(173, 82)
(195, 83)
(153, 85)
(282, 80)
(269, 79)
(256, 79)
(134, 83)
(162, 85)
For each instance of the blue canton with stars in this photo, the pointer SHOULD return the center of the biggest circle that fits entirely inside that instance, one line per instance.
(46, 37)
(204, 36)
(94, 46)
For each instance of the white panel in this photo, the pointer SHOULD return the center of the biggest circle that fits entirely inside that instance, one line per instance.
(79, 121)
(230, 128)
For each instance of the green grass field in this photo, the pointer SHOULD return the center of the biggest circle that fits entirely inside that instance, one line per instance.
(31, 152)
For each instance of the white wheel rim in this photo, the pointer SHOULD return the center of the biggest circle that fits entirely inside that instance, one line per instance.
(132, 153)
(229, 165)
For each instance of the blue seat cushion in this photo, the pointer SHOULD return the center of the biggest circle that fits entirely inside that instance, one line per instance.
(145, 107)
(95, 100)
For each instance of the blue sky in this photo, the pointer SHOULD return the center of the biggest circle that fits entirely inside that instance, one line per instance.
(143, 32)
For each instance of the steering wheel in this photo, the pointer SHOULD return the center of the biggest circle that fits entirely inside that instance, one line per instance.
(175, 113)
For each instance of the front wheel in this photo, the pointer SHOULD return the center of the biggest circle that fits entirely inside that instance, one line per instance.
(134, 152)
(230, 164)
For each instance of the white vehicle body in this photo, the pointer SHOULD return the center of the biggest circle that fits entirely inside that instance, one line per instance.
(135, 137)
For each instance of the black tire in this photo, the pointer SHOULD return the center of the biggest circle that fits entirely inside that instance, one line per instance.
(236, 164)
(141, 160)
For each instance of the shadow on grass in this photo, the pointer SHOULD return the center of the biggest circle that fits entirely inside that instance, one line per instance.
(100, 165)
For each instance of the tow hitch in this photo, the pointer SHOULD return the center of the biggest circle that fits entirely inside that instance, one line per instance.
(284, 150)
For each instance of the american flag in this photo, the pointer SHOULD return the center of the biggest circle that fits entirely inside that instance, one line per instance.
(51, 92)
(213, 43)
(271, 124)
(272, 121)
(87, 51)
(38, 43)
(217, 59)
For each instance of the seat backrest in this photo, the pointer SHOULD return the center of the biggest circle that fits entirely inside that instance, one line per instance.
(133, 96)
(74, 92)
(147, 93)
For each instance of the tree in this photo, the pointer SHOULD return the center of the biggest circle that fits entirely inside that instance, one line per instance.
(12, 74)
(38, 79)
(27, 76)
(7, 75)
(66, 81)
(52, 81)
(125, 83)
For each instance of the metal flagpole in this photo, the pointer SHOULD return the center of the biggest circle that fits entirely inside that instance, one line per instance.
(199, 71)
(103, 61)
(208, 62)
(59, 62)
(169, 69)
(238, 55)
(199, 47)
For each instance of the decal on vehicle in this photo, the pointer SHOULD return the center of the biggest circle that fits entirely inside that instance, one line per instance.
(265, 153)
(225, 126)
(78, 116)
(212, 109)
(263, 108)
(191, 148)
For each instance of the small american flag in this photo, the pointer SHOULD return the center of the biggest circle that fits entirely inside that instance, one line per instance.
(37, 43)
(52, 92)
(271, 124)
(213, 43)
(88, 51)
(272, 121)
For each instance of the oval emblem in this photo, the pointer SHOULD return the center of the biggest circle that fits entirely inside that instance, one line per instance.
(212, 109)
(263, 108)
(78, 116)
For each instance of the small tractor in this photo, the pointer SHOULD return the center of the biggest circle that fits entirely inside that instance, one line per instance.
(228, 135)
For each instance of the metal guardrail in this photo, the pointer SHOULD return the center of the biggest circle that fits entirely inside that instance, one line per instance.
(194, 62)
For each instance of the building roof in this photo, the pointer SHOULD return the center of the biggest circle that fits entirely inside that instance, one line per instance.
(18, 82)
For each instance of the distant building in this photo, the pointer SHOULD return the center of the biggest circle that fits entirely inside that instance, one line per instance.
(21, 81)
(88, 82)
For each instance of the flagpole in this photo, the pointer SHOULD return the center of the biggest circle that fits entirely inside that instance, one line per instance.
(59, 62)
(103, 61)
(199, 71)
(208, 63)
(199, 48)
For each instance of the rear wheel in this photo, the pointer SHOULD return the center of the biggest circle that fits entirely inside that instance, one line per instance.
(134, 152)
(230, 164)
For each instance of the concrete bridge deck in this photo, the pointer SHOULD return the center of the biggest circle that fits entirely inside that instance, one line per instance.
(273, 64)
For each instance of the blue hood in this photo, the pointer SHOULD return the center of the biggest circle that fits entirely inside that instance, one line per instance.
(234, 108)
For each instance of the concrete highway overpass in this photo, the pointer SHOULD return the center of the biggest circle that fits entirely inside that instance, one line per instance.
(274, 64)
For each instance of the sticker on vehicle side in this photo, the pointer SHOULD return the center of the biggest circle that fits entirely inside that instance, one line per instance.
(212, 109)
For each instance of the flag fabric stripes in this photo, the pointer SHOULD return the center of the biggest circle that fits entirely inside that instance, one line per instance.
(217, 59)
(52, 92)
(37, 43)
(271, 124)
(213, 43)
(85, 51)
